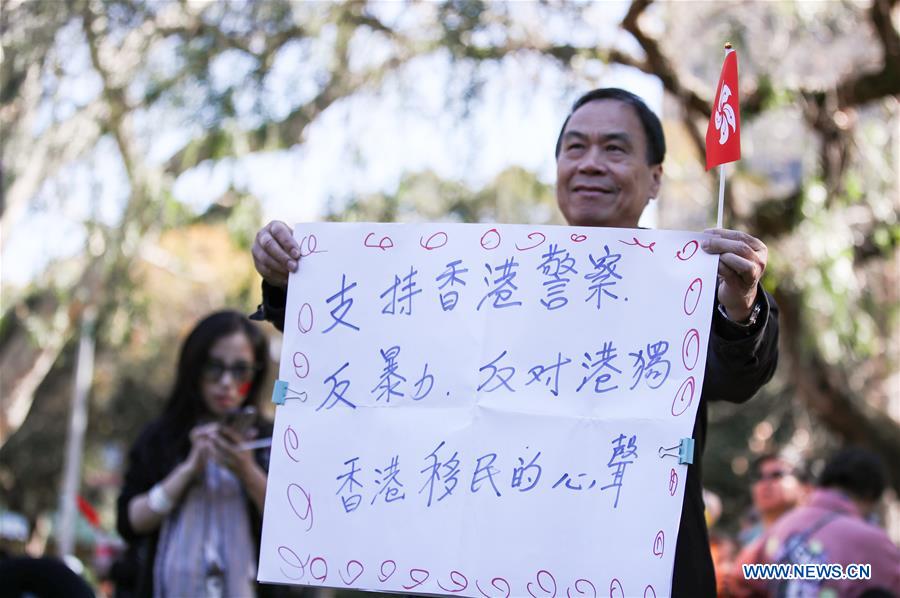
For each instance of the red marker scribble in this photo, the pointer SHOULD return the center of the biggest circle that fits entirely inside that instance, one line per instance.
(418, 577)
(384, 244)
(541, 579)
(659, 544)
(496, 583)
(305, 318)
(615, 589)
(301, 365)
(649, 592)
(692, 296)
(690, 349)
(303, 498)
(684, 397)
(353, 577)
(291, 444)
(490, 239)
(244, 388)
(578, 238)
(324, 575)
(435, 241)
(296, 564)
(634, 242)
(688, 251)
(673, 482)
(458, 579)
(308, 246)
(531, 237)
(579, 587)
(383, 577)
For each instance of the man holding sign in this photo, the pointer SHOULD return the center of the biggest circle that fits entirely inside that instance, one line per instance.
(609, 166)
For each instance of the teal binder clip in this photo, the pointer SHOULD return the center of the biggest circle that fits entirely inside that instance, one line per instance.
(686, 451)
(279, 393)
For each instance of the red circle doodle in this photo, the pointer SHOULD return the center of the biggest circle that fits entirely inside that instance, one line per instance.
(486, 244)
(652, 593)
(312, 574)
(682, 402)
(494, 581)
(383, 577)
(683, 255)
(291, 438)
(690, 347)
(418, 582)
(538, 244)
(308, 513)
(578, 238)
(308, 246)
(581, 592)
(659, 544)
(353, 578)
(306, 308)
(301, 365)
(384, 244)
(301, 565)
(696, 293)
(614, 585)
(426, 244)
(455, 579)
(673, 482)
(550, 591)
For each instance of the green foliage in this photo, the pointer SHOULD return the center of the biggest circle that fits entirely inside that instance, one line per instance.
(514, 196)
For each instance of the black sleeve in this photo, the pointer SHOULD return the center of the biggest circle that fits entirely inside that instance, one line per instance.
(141, 473)
(741, 358)
(272, 308)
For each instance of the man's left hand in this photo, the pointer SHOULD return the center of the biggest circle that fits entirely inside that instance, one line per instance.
(742, 261)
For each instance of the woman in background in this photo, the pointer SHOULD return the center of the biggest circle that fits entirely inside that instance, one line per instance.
(192, 495)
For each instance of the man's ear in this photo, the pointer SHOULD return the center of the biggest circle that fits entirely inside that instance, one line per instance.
(656, 173)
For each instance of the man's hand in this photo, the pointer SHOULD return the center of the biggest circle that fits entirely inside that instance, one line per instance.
(742, 261)
(275, 253)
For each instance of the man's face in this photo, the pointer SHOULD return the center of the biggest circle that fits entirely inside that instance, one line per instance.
(776, 488)
(602, 175)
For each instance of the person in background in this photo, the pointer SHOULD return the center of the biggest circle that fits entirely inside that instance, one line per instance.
(778, 486)
(192, 497)
(833, 527)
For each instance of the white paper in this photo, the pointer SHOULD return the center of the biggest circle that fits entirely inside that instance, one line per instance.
(518, 438)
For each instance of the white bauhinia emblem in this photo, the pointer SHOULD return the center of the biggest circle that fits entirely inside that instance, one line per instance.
(724, 115)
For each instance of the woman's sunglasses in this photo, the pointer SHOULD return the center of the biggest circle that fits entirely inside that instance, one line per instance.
(241, 371)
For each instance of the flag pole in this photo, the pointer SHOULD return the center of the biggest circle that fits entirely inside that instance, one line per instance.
(721, 195)
(721, 210)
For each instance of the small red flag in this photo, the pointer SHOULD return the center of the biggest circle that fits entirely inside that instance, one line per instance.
(88, 511)
(723, 135)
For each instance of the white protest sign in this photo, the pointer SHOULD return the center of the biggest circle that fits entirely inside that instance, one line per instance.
(486, 410)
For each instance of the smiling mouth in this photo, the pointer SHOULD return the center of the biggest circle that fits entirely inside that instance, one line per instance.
(592, 190)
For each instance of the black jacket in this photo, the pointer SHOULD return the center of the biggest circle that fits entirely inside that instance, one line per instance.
(149, 462)
(740, 360)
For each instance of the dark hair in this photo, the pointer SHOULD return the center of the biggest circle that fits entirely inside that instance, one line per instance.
(185, 406)
(656, 141)
(856, 471)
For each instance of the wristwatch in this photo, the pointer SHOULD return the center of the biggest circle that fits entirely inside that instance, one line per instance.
(751, 320)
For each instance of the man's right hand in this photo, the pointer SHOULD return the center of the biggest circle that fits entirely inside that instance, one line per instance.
(275, 253)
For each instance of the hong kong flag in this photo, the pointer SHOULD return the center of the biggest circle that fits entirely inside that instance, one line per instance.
(723, 135)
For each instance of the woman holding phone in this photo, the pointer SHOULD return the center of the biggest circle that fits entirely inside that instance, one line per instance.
(193, 495)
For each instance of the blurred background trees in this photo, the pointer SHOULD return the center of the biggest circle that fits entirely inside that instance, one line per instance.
(109, 108)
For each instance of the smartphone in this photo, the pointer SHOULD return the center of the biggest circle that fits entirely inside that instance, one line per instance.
(241, 420)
